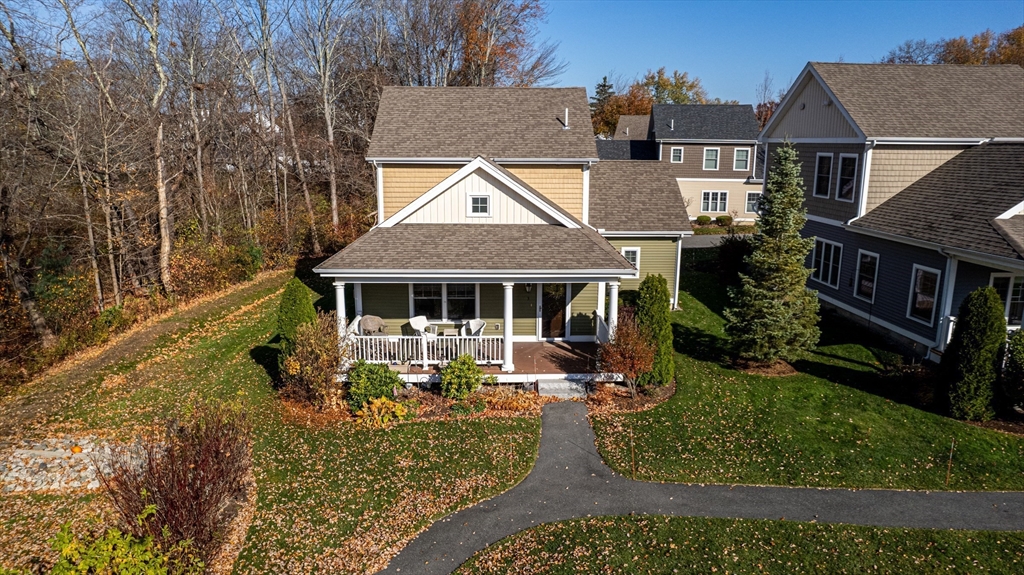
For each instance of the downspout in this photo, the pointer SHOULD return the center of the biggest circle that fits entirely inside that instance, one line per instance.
(947, 299)
(865, 175)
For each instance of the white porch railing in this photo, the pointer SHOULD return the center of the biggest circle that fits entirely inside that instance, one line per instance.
(949, 322)
(424, 350)
(603, 333)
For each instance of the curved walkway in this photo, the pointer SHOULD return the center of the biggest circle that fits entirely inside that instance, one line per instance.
(570, 480)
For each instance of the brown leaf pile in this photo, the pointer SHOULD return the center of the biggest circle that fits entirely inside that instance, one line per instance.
(617, 399)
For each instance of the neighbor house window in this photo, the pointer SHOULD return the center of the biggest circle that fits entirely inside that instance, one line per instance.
(1011, 291)
(752, 200)
(426, 300)
(741, 159)
(479, 206)
(632, 256)
(822, 175)
(847, 176)
(924, 288)
(828, 257)
(461, 299)
(711, 158)
(867, 275)
(713, 201)
(677, 155)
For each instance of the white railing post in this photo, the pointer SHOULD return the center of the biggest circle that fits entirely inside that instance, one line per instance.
(423, 351)
(339, 297)
(613, 307)
(507, 361)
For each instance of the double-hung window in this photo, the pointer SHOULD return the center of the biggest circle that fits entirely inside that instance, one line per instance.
(741, 159)
(632, 255)
(753, 198)
(712, 201)
(426, 301)
(444, 302)
(867, 275)
(924, 289)
(1011, 290)
(461, 300)
(822, 175)
(677, 155)
(847, 177)
(711, 158)
(827, 260)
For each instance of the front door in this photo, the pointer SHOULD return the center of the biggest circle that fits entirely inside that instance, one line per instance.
(552, 311)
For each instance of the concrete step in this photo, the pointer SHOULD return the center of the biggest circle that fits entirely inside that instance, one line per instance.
(562, 388)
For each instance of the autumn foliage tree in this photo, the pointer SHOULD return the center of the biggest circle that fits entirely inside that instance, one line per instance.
(985, 48)
(630, 352)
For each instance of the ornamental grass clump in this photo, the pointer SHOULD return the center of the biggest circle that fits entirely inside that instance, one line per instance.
(368, 381)
(461, 378)
(970, 364)
(310, 372)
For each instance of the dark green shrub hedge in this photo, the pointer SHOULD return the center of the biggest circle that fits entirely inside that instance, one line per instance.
(703, 220)
(296, 309)
(652, 315)
(971, 362)
(1013, 371)
(368, 381)
(724, 221)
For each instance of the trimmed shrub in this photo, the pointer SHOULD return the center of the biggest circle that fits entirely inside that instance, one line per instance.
(368, 381)
(310, 373)
(1013, 371)
(652, 315)
(461, 378)
(184, 481)
(724, 221)
(703, 220)
(118, 552)
(296, 309)
(970, 363)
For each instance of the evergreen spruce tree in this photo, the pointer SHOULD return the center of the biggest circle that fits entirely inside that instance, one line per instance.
(772, 314)
(970, 363)
(296, 308)
(601, 114)
(652, 315)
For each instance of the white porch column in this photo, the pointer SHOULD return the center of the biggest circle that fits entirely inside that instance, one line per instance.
(507, 364)
(339, 297)
(357, 293)
(613, 307)
(600, 300)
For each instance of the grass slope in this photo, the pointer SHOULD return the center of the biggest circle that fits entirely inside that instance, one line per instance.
(816, 428)
(655, 544)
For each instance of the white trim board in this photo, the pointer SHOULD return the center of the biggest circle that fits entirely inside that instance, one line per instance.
(1019, 208)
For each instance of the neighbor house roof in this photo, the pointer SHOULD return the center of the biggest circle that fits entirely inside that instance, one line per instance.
(703, 122)
(957, 204)
(462, 123)
(477, 247)
(636, 196)
(929, 101)
(633, 127)
(627, 149)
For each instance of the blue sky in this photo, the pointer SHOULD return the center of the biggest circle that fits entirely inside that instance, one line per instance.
(730, 44)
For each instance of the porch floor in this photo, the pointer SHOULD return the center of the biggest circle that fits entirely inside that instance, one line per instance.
(538, 358)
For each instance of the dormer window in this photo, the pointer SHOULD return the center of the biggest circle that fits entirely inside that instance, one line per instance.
(479, 206)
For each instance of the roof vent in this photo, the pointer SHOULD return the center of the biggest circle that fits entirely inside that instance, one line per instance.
(802, 105)
(627, 130)
(565, 124)
(672, 124)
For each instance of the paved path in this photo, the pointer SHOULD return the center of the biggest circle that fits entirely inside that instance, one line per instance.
(570, 480)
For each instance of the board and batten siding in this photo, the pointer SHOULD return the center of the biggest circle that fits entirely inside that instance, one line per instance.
(657, 256)
(736, 201)
(451, 207)
(811, 116)
(561, 184)
(893, 168)
(692, 165)
(403, 183)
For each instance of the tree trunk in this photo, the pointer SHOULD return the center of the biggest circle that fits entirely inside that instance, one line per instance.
(27, 303)
(164, 217)
(88, 233)
(301, 171)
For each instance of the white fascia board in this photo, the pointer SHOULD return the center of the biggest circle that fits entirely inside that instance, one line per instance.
(1019, 208)
(900, 141)
(970, 255)
(1007, 264)
(712, 180)
(487, 276)
(875, 320)
(1007, 139)
(815, 140)
(821, 220)
(464, 171)
(705, 141)
(419, 160)
(544, 160)
(607, 234)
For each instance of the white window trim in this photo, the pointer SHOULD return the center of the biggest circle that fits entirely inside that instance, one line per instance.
(839, 176)
(910, 296)
(874, 282)
(623, 251)
(831, 167)
(747, 201)
(444, 303)
(469, 205)
(672, 153)
(815, 252)
(725, 211)
(718, 160)
(1006, 308)
(734, 168)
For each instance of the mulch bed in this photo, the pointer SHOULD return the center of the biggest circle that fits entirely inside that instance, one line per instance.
(617, 398)
(1015, 427)
(778, 369)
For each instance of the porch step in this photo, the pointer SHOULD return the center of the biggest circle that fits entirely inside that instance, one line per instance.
(562, 388)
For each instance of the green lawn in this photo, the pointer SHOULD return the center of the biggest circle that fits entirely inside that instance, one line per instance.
(817, 428)
(332, 497)
(656, 544)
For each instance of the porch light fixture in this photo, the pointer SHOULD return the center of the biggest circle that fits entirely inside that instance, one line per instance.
(529, 288)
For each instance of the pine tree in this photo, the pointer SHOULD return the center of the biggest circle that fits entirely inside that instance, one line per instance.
(296, 308)
(970, 362)
(652, 314)
(772, 314)
(600, 111)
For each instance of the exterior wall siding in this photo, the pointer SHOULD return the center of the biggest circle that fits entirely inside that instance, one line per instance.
(830, 207)
(969, 277)
(893, 168)
(451, 207)
(524, 310)
(584, 304)
(403, 183)
(736, 201)
(892, 287)
(657, 256)
(692, 165)
(816, 119)
(561, 184)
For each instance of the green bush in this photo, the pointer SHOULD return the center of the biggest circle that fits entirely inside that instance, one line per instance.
(249, 259)
(724, 221)
(1013, 371)
(296, 309)
(652, 315)
(461, 378)
(970, 363)
(703, 220)
(368, 381)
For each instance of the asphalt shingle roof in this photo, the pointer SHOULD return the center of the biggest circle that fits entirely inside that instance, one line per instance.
(704, 122)
(477, 247)
(627, 149)
(956, 204)
(929, 101)
(415, 122)
(636, 196)
(630, 127)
